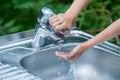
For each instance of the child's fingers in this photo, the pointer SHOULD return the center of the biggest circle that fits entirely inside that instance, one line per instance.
(53, 19)
(63, 55)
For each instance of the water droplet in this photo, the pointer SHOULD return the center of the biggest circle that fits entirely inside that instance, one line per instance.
(59, 73)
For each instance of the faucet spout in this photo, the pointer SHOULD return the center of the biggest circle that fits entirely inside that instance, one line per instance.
(41, 36)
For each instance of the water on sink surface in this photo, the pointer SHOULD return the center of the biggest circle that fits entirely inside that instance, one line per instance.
(88, 72)
(82, 73)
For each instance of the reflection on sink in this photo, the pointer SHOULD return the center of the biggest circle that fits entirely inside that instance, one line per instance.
(94, 64)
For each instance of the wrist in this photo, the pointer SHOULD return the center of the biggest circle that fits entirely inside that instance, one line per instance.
(70, 15)
(86, 45)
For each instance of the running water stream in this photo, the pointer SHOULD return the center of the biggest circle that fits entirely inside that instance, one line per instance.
(60, 43)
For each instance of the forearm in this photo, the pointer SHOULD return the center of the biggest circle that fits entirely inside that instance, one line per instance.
(76, 7)
(110, 32)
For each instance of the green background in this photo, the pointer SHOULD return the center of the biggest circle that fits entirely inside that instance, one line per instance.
(21, 15)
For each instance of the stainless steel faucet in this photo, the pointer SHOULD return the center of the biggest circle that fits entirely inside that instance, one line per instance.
(44, 31)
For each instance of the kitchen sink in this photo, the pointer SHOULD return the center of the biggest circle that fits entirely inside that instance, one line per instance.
(20, 61)
(94, 64)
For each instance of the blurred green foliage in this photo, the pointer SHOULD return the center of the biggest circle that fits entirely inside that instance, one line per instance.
(21, 15)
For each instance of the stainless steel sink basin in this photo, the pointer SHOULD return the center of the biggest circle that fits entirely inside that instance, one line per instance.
(94, 64)
(18, 61)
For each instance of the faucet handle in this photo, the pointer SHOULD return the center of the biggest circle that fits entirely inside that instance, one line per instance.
(63, 31)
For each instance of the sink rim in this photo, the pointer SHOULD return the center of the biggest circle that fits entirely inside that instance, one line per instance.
(28, 39)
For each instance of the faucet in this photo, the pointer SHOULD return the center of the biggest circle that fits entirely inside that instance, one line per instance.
(43, 31)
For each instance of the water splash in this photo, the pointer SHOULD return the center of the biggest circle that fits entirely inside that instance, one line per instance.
(85, 72)
(88, 72)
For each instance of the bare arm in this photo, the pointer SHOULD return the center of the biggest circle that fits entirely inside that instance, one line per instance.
(110, 32)
(76, 7)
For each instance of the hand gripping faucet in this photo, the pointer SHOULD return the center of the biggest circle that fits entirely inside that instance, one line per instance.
(43, 30)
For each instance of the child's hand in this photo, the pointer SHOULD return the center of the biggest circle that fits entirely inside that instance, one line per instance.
(74, 54)
(61, 21)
